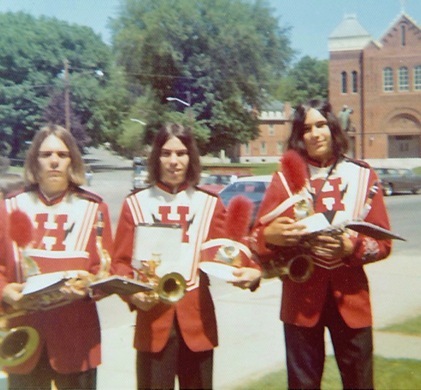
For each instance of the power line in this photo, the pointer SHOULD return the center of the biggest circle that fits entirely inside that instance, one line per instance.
(161, 75)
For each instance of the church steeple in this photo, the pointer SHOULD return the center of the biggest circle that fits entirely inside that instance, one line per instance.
(349, 35)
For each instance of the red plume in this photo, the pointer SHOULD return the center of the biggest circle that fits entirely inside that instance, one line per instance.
(20, 228)
(239, 213)
(294, 169)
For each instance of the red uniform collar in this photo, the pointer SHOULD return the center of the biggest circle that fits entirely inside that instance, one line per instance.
(317, 163)
(51, 201)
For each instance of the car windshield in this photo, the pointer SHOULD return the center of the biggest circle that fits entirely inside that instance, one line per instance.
(138, 169)
(252, 189)
(246, 187)
(216, 179)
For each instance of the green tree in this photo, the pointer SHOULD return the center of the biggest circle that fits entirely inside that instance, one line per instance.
(32, 51)
(217, 55)
(307, 79)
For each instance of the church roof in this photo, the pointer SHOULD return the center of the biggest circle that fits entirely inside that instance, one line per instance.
(401, 17)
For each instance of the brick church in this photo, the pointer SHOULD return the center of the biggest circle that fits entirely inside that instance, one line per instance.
(375, 84)
(378, 84)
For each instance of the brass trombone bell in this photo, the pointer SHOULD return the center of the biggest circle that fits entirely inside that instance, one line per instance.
(17, 345)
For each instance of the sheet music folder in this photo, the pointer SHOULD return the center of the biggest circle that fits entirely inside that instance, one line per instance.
(120, 285)
(162, 239)
(317, 223)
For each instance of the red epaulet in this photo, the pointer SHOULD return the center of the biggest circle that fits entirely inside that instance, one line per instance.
(205, 191)
(88, 195)
(14, 193)
(361, 163)
(136, 190)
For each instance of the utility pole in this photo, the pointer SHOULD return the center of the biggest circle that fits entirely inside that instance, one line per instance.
(66, 94)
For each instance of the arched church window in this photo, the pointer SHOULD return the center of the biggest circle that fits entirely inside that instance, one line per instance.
(417, 78)
(403, 79)
(388, 80)
(344, 87)
(354, 81)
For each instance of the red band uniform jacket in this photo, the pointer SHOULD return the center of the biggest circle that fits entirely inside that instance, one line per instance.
(202, 217)
(64, 239)
(342, 197)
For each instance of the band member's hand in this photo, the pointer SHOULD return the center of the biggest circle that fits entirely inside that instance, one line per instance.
(98, 294)
(12, 294)
(332, 246)
(284, 231)
(144, 300)
(77, 288)
(246, 277)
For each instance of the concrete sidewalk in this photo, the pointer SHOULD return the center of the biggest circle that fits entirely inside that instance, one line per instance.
(251, 334)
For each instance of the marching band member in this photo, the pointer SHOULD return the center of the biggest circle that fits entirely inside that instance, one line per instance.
(61, 236)
(336, 295)
(176, 339)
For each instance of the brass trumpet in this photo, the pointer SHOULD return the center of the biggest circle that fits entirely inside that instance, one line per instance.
(17, 345)
(169, 288)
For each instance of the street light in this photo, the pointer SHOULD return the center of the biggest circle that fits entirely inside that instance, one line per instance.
(172, 99)
(138, 121)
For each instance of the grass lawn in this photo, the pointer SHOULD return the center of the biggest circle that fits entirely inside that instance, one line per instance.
(388, 373)
(411, 326)
(18, 170)
(270, 168)
(417, 170)
(255, 169)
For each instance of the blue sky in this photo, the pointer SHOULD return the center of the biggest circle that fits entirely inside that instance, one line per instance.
(312, 21)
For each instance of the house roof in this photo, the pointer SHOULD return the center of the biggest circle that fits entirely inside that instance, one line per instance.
(273, 105)
(273, 111)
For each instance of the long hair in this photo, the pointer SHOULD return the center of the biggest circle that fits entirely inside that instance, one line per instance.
(76, 171)
(340, 141)
(185, 135)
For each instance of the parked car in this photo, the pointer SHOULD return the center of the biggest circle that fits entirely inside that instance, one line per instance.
(138, 161)
(252, 187)
(214, 182)
(395, 180)
(140, 177)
